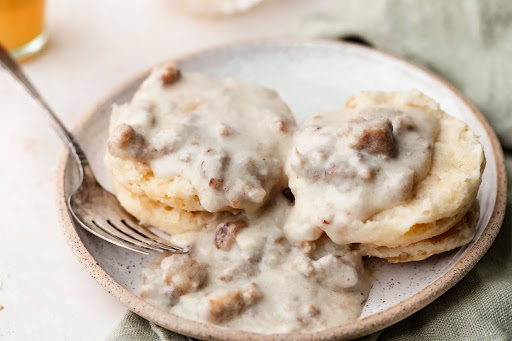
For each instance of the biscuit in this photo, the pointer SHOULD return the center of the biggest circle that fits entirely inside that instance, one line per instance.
(437, 202)
(460, 234)
(166, 218)
(452, 183)
(198, 144)
(138, 178)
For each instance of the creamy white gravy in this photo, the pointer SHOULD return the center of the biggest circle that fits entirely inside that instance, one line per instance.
(244, 274)
(268, 269)
(349, 164)
(227, 137)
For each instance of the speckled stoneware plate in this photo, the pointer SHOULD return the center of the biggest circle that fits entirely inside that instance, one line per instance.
(311, 76)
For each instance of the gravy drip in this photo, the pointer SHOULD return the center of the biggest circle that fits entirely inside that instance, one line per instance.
(347, 165)
(260, 282)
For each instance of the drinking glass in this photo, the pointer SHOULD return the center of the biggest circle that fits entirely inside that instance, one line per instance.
(22, 27)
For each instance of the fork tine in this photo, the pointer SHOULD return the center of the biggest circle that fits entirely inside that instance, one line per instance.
(99, 232)
(112, 229)
(109, 230)
(133, 232)
(147, 233)
(100, 212)
(126, 229)
(150, 237)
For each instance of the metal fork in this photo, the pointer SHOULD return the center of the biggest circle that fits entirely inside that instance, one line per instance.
(93, 207)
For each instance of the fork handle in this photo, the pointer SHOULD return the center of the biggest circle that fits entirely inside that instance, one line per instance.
(15, 70)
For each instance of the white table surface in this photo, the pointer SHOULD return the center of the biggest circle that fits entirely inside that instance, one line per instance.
(94, 45)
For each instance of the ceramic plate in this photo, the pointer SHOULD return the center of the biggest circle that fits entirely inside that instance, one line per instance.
(310, 76)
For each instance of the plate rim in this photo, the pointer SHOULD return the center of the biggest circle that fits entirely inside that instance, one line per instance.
(358, 328)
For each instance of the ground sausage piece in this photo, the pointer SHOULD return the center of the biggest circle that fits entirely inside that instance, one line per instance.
(329, 264)
(403, 122)
(170, 75)
(172, 293)
(183, 273)
(303, 264)
(308, 248)
(307, 313)
(125, 142)
(331, 171)
(282, 126)
(367, 174)
(213, 167)
(225, 308)
(216, 183)
(225, 234)
(377, 139)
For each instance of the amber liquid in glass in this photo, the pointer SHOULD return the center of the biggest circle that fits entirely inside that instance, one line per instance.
(21, 21)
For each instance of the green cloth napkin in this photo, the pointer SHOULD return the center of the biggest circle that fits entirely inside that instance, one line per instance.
(468, 42)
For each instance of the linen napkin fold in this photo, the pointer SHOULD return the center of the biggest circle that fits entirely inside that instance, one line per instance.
(469, 43)
(132, 327)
